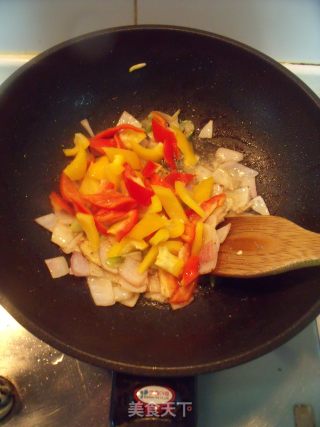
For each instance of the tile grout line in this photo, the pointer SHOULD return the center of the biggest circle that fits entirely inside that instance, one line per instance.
(135, 12)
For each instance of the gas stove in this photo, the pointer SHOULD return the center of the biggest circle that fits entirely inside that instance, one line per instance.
(279, 389)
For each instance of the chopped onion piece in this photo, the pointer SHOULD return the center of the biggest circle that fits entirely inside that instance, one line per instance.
(105, 245)
(79, 265)
(47, 221)
(130, 302)
(250, 182)
(64, 218)
(101, 290)
(202, 172)
(118, 280)
(240, 199)
(223, 233)
(207, 130)
(131, 288)
(95, 270)
(259, 206)
(212, 221)
(61, 235)
(73, 245)
(155, 296)
(137, 66)
(86, 125)
(127, 118)
(217, 189)
(208, 257)
(238, 171)
(187, 127)
(222, 177)
(57, 266)
(121, 294)
(154, 283)
(128, 270)
(226, 155)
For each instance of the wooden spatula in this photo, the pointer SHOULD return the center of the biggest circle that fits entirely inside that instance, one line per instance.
(265, 245)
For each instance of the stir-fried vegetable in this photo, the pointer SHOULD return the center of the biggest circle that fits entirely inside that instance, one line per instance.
(139, 214)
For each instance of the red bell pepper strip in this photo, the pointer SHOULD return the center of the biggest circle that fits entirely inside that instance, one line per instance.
(141, 194)
(149, 169)
(111, 199)
(156, 179)
(183, 294)
(110, 132)
(109, 217)
(118, 141)
(208, 206)
(191, 270)
(122, 228)
(102, 229)
(157, 116)
(97, 144)
(189, 233)
(69, 191)
(165, 135)
(174, 176)
(59, 204)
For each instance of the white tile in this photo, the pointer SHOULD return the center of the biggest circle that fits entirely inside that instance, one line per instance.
(288, 30)
(34, 25)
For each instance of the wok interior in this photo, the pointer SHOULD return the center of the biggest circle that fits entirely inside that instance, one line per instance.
(256, 108)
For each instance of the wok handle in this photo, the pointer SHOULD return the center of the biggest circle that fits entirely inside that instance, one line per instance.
(153, 401)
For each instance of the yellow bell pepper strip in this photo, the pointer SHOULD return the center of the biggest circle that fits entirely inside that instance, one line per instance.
(128, 155)
(90, 185)
(89, 227)
(161, 236)
(168, 283)
(185, 146)
(155, 153)
(170, 203)
(130, 136)
(149, 259)
(155, 205)
(173, 246)
(185, 196)
(126, 245)
(80, 142)
(77, 168)
(150, 223)
(175, 227)
(103, 169)
(198, 237)
(97, 170)
(169, 262)
(203, 190)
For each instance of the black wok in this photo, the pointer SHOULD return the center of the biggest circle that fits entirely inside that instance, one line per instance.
(258, 107)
